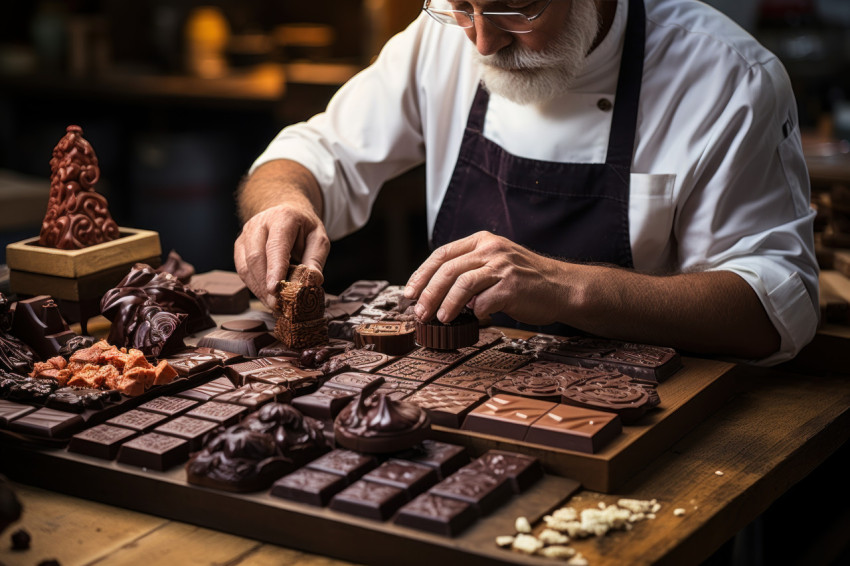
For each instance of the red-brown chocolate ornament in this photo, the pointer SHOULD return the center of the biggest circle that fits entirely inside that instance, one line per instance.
(77, 216)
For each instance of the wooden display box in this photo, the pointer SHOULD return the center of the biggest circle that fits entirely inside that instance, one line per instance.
(79, 275)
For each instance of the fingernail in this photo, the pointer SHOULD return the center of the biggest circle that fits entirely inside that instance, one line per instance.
(419, 310)
(441, 315)
(408, 292)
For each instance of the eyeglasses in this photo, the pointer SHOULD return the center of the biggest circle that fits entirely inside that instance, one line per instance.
(513, 22)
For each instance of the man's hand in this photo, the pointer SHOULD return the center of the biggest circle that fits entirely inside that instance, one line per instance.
(281, 205)
(490, 274)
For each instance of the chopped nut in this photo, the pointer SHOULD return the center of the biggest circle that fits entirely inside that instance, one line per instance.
(601, 505)
(578, 560)
(566, 514)
(526, 544)
(636, 505)
(678, 511)
(718, 473)
(634, 518)
(650, 515)
(505, 540)
(551, 536)
(656, 507)
(522, 525)
(562, 552)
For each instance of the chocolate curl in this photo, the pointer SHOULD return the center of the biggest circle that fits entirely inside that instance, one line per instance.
(77, 216)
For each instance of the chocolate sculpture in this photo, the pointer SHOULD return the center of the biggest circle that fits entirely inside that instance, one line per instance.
(77, 216)
(300, 309)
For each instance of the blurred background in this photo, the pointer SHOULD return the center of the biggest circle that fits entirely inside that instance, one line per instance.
(178, 97)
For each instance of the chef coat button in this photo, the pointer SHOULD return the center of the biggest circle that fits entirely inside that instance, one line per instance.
(604, 104)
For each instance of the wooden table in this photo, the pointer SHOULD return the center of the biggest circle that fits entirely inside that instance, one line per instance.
(777, 429)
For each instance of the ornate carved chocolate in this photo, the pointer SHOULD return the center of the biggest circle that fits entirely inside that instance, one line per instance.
(15, 356)
(77, 216)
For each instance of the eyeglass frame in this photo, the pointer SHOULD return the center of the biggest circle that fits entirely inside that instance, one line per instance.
(426, 7)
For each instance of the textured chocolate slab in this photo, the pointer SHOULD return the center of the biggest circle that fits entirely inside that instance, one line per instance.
(169, 406)
(274, 370)
(620, 394)
(309, 486)
(488, 337)
(325, 403)
(226, 293)
(47, 423)
(575, 428)
(245, 343)
(507, 416)
(101, 441)
(221, 413)
(522, 471)
(9, 411)
(193, 361)
(485, 492)
(189, 429)
(363, 290)
(444, 457)
(417, 370)
(397, 389)
(434, 514)
(353, 380)
(496, 360)
(641, 361)
(369, 500)
(447, 406)
(208, 390)
(409, 476)
(469, 378)
(336, 309)
(255, 394)
(137, 420)
(363, 360)
(448, 357)
(346, 463)
(154, 451)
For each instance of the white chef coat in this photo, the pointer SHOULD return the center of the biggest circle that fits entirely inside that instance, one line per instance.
(718, 181)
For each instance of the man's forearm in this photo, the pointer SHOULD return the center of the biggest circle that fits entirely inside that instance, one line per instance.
(706, 312)
(277, 182)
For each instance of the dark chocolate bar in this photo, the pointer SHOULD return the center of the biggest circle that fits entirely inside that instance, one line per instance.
(345, 463)
(640, 361)
(154, 451)
(447, 406)
(485, 492)
(434, 514)
(409, 476)
(369, 500)
(192, 430)
(137, 420)
(309, 486)
(226, 292)
(575, 428)
(101, 441)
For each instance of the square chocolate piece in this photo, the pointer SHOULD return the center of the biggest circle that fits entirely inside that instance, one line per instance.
(245, 343)
(484, 491)
(444, 457)
(193, 361)
(154, 451)
(397, 389)
(325, 403)
(101, 441)
(224, 414)
(208, 390)
(256, 394)
(346, 463)
(309, 486)
(354, 380)
(369, 500)
(469, 378)
(192, 430)
(506, 416)
(137, 420)
(168, 406)
(409, 476)
(9, 411)
(448, 357)
(575, 428)
(498, 361)
(226, 293)
(363, 360)
(416, 370)
(640, 361)
(447, 406)
(522, 471)
(434, 514)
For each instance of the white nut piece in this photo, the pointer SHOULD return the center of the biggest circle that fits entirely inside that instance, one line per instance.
(578, 560)
(718, 473)
(562, 552)
(551, 536)
(505, 540)
(526, 544)
(522, 525)
(678, 511)
(566, 514)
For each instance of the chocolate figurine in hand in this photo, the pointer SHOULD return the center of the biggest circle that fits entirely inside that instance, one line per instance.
(77, 216)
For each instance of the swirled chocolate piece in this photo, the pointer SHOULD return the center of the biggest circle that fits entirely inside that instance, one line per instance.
(176, 266)
(459, 333)
(76, 343)
(300, 309)
(77, 216)
(137, 308)
(376, 424)
(541, 379)
(394, 338)
(615, 393)
(15, 356)
(249, 456)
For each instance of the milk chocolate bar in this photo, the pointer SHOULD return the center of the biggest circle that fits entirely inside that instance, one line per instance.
(469, 378)
(447, 406)
(507, 416)
(575, 428)
(496, 360)
(616, 393)
(410, 368)
(641, 361)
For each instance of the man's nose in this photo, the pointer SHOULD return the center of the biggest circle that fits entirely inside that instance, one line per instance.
(488, 39)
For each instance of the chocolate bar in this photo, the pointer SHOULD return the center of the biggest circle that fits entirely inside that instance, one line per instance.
(484, 491)
(469, 378)
(641, 361)
(137, 420)
(254, 394)
(398, 389)
(168, 406)
(101, 441)
(434, 514)
(363, 291)
(47, 423)
(208, 390)
(507, 416)
(344, 463)
(245, 343)
(575, 428)
(613, 392)
(498, 361)
(192, 430)
(154, 451)
(325, 403)
(9, 411)
(522, 471)
(448, 357)
(15, 356)
(226, 292)
(192, 361)
(277, 371)
(360, 360)
(369, 500)
(221, 413)
(416, 370)
(309, 486)
(445, 458)
(447, 406)
(410, 477)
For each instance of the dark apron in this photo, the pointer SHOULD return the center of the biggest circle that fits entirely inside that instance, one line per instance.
(576, 212)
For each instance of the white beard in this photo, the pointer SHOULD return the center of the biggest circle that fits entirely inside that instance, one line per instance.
(532, 77)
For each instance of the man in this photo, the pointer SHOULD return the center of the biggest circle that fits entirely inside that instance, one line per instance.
(630, 169)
